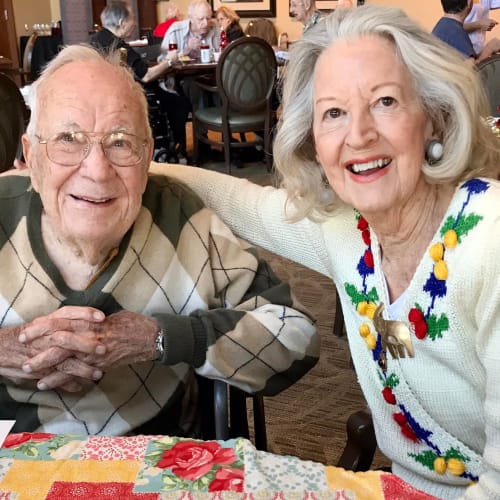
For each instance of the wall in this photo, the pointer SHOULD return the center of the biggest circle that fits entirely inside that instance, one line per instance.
(30, 12)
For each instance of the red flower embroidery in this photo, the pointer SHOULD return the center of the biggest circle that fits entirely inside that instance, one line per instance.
(193, 459)
(399, 418)
(16, 439)
(362, 224)
(227, 480)
(389, 395)
(415, 315)
(409, 433)
(368, 257)
(367, 239)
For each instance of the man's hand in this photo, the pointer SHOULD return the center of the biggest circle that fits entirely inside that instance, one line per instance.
(86, 349)
(52, 342)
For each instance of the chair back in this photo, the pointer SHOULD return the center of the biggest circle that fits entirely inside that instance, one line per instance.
(489, 70)
(263, 28)
(246, 74)
(12, 122)
(28, 55)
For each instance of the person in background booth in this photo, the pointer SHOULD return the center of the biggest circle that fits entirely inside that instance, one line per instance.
(117, 23)
(229, 21)
(117, 287)
(172, 15)
(389, 187)
(450, 29)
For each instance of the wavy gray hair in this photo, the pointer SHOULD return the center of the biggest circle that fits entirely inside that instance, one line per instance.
(75, 53)
(114, 13)
(449, 90)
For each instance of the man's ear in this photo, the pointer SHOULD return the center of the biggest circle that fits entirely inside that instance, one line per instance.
(27, 149)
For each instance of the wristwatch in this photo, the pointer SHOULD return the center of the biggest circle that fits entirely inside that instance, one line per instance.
(160, 345)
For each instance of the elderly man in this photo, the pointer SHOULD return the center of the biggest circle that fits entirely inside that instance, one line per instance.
(450, 29)
(117, 287)
(305, 11)
(189, 33)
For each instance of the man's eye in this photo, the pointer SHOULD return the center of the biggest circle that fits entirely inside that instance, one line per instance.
(65, 137)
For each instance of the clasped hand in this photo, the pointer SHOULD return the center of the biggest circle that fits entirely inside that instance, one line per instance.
(74, 344)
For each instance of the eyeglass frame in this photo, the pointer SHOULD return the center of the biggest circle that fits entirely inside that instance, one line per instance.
(90, 145)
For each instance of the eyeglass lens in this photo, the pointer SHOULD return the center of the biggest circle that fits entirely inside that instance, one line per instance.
(71, 148)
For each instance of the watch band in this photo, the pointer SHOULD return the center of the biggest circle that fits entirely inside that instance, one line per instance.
(160, 344)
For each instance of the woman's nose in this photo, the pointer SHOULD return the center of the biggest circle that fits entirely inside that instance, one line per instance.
(362, 130)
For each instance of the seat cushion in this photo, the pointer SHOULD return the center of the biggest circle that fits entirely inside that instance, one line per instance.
(212, 116)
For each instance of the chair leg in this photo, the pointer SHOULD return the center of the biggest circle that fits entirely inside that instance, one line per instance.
(338, 323)
(361, 443)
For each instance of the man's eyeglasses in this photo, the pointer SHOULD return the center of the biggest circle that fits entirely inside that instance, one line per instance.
(71, 148)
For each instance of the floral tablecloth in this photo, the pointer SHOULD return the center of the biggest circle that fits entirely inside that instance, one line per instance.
(58, 467)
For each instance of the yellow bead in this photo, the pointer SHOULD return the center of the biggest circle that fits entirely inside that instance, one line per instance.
(440, 465)
(450, 238)
(361, 308)
(441, 270)
(364, 330)
(371, 341)
(456, 466)
(370, 310)
(436, 251)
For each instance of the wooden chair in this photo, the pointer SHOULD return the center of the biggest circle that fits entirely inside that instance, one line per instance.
(245, 77)
(489, 69)
(13, 120)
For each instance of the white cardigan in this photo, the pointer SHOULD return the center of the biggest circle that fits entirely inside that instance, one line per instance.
(446, 398)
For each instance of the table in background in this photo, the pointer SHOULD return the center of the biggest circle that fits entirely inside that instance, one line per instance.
(59, 467)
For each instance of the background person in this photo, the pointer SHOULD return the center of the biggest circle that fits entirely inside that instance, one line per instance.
(117, 24)
(388, 187)
(450, 29)
(115, 286)
(172, 15)
(306, 12)
(229, 21)
(189, 33)
(478, 22)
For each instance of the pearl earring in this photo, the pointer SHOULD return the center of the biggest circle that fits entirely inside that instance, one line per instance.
(433, 151)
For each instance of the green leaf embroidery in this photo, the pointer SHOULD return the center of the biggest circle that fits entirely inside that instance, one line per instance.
(436, 327)
(453, 453)
(392, 381)
(426, 458)
(356, 296)
(463, 224)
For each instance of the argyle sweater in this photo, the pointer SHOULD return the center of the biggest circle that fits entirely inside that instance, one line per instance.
(223, 311)
(436, 415)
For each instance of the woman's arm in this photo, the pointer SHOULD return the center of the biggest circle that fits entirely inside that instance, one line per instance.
(255, 213)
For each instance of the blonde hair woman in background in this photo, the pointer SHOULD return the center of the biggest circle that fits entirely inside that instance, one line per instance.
(229, 21)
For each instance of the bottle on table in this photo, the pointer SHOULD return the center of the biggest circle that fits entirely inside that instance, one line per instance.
(204, 51)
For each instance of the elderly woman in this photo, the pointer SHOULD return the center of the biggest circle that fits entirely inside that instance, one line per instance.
(388, 172)
(116, 287)
(229, 21)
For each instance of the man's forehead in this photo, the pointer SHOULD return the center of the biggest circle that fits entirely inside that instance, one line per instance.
(201, 12)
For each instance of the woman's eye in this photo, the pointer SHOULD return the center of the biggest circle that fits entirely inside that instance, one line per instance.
(333, 113)
(387, 101)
